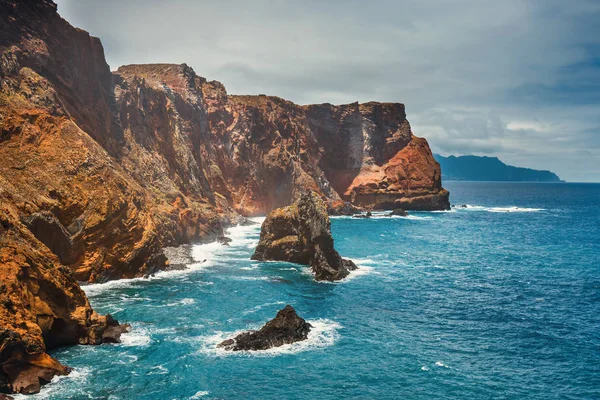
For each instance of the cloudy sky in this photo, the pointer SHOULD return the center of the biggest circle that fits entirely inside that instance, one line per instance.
(515, 79)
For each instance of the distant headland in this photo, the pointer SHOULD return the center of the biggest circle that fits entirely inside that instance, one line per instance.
(476, 168)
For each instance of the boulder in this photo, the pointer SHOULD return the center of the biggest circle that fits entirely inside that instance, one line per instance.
(287, 327)
(301, 233)
(399, 212)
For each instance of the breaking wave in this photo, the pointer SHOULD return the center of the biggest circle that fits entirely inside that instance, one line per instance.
(508, 209)
(324, 333)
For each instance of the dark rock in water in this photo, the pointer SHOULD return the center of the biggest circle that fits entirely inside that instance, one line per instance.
(6, 397)
(301, 233)
(114, 330)
(463, 206)
(224, 240)
(400, 212)
(342, 208)
(107, 330)
(287, 327)
(367, 215)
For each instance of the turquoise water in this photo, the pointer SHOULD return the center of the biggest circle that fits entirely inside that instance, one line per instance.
(497, 300)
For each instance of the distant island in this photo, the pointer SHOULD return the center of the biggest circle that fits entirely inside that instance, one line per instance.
(475, 168)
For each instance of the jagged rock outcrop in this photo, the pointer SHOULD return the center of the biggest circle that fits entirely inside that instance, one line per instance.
(373, 159)
(287, 327)
(301, 233)
(400, 212)
(41, 307)
(100, 171)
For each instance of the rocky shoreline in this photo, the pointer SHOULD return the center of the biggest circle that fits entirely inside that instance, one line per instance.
(101, 170)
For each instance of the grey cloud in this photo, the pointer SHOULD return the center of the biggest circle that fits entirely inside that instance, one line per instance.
(466, 70)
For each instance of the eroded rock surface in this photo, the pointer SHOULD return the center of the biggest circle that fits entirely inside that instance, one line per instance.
(301, 233)
(41, 308)
(100, 171)
(287, 327)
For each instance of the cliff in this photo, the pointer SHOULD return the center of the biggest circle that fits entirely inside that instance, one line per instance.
(99, 171)
(475, 168)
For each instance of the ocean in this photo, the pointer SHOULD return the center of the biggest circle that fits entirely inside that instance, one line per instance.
(499, 299)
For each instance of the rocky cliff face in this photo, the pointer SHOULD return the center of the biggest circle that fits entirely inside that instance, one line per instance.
(301, 233)
(373, 159)
(99, 171)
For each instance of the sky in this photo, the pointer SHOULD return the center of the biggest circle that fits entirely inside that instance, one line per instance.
(519, 80)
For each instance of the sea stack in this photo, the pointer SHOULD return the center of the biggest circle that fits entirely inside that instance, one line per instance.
(287, 327)
(301, 233)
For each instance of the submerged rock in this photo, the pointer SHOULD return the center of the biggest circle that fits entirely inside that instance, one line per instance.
(301, 233)
(287, 327)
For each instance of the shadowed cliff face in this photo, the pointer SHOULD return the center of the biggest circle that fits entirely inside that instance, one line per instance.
(373, 159)
(99, 171)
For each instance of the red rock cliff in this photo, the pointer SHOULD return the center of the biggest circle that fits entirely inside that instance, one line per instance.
(99, 171)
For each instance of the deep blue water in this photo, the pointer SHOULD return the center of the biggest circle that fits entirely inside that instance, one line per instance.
(498, 300)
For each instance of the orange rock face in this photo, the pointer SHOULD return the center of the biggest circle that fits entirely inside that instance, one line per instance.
(99, 171)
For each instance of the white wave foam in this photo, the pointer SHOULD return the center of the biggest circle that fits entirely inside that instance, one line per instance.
(362, 270)
(441, 364)
(514, 209)
(158, 370)
(182, 302)
(385, 215)
(416, 218)
(204, 256)
(205, 252)
(199, 394)
(257, 308)
(324, 333)
(253, 278)
(138, 337)
(363, 261)
(130, 359)
(95, 289)
(507, 209)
